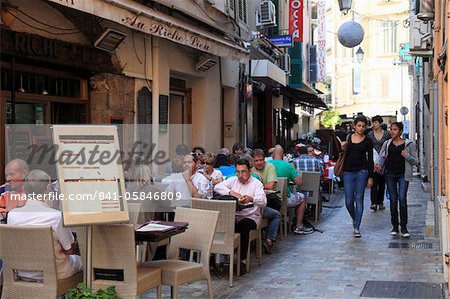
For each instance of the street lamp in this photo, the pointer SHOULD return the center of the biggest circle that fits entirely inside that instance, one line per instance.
(345, 5)
(359, 55)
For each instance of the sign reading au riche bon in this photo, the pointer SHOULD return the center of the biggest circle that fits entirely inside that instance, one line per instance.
(167, 32)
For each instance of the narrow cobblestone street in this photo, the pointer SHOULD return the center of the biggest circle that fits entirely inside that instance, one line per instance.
(335, 264)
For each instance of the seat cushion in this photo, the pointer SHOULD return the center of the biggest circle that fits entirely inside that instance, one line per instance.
(176, 272)
(148, 278)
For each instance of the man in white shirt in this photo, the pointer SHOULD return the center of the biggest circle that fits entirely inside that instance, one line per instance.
(250, 193)
(37, 212)
(187, 182)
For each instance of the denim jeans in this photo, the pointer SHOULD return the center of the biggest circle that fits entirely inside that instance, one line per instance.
(354, 186)
(398, 188)
(274, 222)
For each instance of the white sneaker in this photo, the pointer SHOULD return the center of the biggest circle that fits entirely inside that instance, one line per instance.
(356, 233)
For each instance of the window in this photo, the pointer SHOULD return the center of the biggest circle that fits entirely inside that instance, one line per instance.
(389, 36)
(241, 12)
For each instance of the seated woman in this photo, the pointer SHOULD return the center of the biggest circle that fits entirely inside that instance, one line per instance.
(210, 172)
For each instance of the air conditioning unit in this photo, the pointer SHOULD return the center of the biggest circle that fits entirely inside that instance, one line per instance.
(420, 37)
(268, 15)
(284, 63)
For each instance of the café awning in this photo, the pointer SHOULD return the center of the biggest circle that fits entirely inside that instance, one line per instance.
(150, 21)
(303, 98)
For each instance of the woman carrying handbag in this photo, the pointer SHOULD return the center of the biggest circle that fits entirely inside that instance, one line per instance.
(396, 160)
(357, 171)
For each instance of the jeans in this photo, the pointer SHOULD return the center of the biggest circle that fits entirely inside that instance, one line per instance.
(354, 185)
(377, 190)
(274, 222)
(398, 188)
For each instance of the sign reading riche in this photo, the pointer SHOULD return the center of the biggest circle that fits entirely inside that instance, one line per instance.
(167, 32)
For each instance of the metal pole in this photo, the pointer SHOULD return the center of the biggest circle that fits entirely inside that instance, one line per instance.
(421, 111)
(401, 82)
(435, 161)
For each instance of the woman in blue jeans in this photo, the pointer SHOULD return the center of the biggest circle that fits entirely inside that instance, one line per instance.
(358, 171)
(397, 157)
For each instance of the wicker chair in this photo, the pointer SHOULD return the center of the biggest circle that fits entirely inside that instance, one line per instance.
(282, 187)
(198, 237)
(255, 235)
(113, 248)
(35, 253)
(311, 188)
(225, 239)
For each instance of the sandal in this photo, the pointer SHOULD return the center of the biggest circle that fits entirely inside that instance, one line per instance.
(373, 207)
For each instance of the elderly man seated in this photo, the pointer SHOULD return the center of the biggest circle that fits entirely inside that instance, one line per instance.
(250, 193)
(15, 172)
(37, 212)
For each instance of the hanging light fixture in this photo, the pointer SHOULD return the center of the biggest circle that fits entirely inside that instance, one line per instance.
(345, 5)
(359, 55)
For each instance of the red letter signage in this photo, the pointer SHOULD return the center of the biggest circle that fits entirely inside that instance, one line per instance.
(296, 20)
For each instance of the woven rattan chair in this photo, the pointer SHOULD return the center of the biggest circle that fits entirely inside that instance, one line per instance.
(225, 239)
(282, 187)
(198, 237)
(255, 235)
(311, 189)
(31, 248)
(113, 248)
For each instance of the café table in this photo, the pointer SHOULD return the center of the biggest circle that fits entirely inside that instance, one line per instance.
(155, 238)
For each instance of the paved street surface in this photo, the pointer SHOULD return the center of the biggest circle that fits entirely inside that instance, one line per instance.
(335, 264)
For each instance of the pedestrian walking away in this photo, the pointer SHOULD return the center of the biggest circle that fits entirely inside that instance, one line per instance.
(396, 161)
(358, 171)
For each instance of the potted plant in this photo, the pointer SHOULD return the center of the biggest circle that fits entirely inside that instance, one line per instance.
(83, 292)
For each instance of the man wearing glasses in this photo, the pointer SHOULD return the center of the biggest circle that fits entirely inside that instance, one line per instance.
(250, 193)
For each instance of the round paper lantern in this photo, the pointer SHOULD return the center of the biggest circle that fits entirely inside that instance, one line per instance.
(350, 34)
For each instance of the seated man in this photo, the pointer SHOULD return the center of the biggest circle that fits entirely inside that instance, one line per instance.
(295, 199)
(186, 183)
(271, 211)
(250, 192)
(307, 161)
(15, 172)
(37, 212)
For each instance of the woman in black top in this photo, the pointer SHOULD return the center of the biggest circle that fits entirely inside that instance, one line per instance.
(358, 171)
(397, 156)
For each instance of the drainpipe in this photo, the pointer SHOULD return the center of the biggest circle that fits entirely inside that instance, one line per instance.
(435, 151)
(155, 99)
(421, 111)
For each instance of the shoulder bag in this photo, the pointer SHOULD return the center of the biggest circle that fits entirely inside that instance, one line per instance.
(339, 166)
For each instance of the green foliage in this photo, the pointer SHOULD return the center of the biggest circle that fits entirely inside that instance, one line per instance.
(330, 118)
(83, 292)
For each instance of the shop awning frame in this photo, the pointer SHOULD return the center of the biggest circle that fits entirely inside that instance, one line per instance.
(303, 98)
(150, 21)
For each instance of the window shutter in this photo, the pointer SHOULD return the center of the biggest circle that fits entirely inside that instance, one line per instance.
(312, 64)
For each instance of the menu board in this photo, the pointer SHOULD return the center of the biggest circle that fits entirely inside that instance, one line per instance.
(163, 113)
(90, 175)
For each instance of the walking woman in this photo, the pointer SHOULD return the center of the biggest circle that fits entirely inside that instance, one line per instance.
(397, 158)
(378, 137)
(358, 171)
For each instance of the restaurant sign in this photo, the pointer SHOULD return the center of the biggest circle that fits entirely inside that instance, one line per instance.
(296, 20)
(158, 24)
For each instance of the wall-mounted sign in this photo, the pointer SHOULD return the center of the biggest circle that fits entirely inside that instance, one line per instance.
(321, 41)
(281, 40)
(228, 130)
(296, 20)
